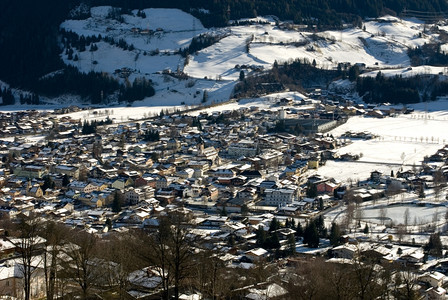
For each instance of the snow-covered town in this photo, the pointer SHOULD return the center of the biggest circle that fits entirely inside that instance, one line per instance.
(235, 174)
(199, 191)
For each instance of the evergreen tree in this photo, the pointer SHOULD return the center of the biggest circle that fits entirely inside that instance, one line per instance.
(292, 224)
(223, 212)
(299, 230)
(272, 242)
(65, 180)
(274, 225)
(48, 183)
(242, 75)
(321, 204)
(291, 244)
(366, 229)
(311, 236)
(434, 245)
(204, 96)
(335, 234)
(116, 203)
(311, 191)
(320, 226)
(260, 236)
(421, 192)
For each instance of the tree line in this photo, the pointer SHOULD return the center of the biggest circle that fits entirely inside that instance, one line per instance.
(93, 86)
(327, 13)
(401, 90)
(296, 75)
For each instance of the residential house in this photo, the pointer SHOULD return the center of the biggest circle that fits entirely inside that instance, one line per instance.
(11, 279)
(346, 251)
(327, 187)
(434, 279)
(280, 196)
(35, 191)
(71, 171)
(134, 196)
(30, 171)
(122, 182)
(257, 254)
(435, 293)
(82, 187)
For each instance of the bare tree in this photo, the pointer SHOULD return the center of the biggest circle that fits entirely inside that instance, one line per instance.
(439, 183)
(170, 249)
(121, 261)
(358, 213)
(383, 214)
(365, 277)
(28, 244)
(435, 219)
(212, 278)
(405, 285)
(349, 214)
(406, 218)
(81, 266)
(54, 235)
(401, 231)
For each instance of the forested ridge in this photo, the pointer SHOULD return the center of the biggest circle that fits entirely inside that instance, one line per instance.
(30, 41)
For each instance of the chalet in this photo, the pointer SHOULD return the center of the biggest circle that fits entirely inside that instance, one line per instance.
(233, 227)
(256, 254)
(71, 171)
(185, 173)
(214, 221)
(375, 113)
(134, 196)
(166, 169)
(200, 168)
(375, 176)
(165, 196)
(297, 168)
(224, 172)
(292, 210)
(327, 187)
(347, 251)
(248, 194)
(411, 259)
(7, 249)
(35, 191)
(251, 174)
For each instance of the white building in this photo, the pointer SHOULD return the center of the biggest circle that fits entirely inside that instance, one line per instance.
(280, 197)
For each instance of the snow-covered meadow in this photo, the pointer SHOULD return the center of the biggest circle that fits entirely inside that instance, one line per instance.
(402, 140)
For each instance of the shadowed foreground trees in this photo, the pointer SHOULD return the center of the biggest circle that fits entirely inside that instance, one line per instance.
(28, 244)
(317, 279)
(170, 250)
(83, 265)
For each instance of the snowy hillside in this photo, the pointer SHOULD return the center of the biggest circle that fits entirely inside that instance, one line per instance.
(158, 35)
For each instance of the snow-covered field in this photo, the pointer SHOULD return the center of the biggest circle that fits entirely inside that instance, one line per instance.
(404, 139)
(417, 214)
